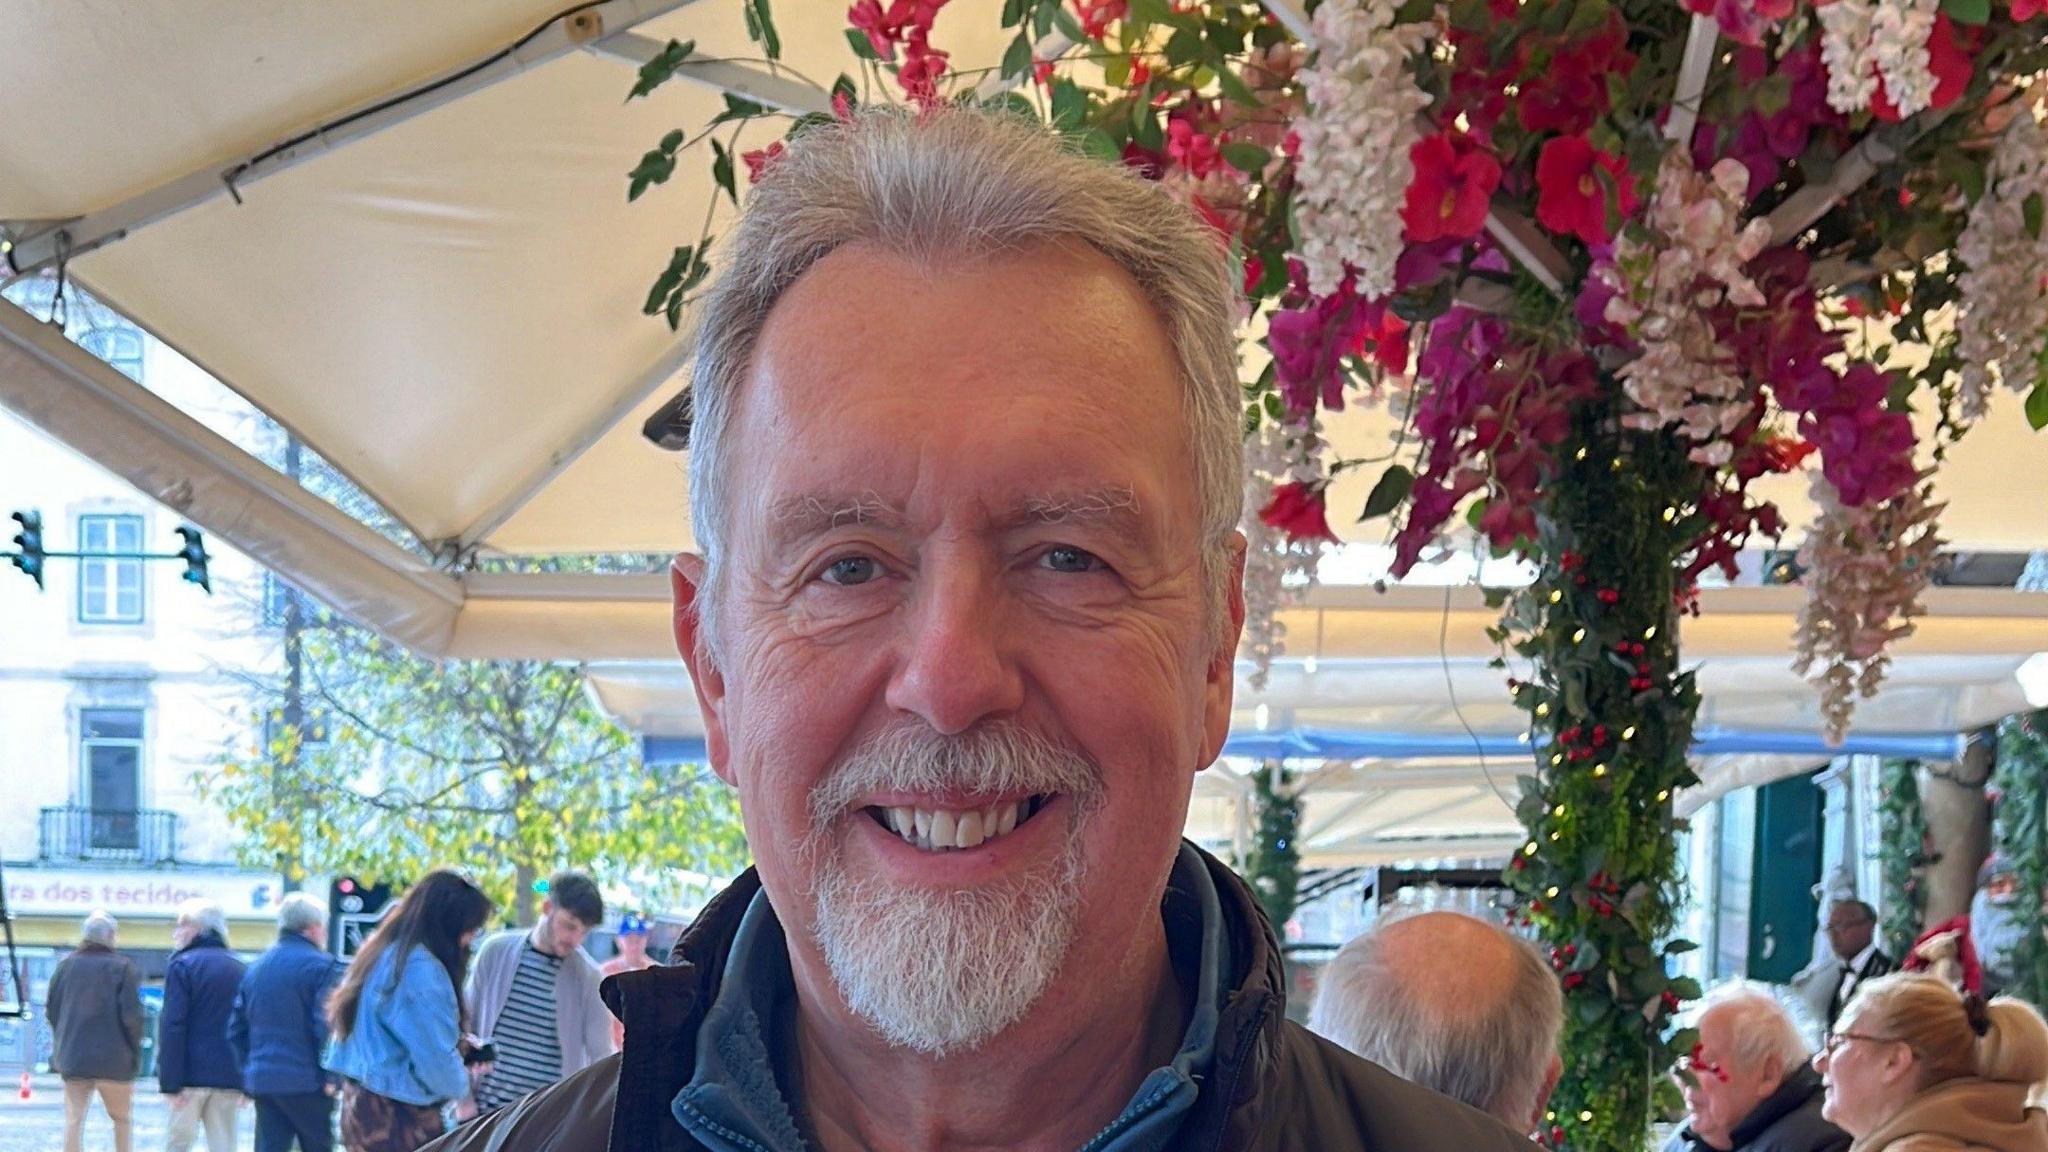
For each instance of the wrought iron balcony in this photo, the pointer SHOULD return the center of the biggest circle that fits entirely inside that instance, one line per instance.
(127, 835)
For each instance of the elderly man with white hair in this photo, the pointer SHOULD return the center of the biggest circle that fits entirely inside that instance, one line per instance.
(279, 1027)
(94, 1007)
(194, 1065)
(966, 467)
(1454, 1004)
(1748, 1086)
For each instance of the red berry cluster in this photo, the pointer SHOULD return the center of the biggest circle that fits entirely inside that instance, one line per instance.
(1634, 650)
(1582, 743)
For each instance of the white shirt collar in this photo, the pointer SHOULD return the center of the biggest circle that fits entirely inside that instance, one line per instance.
(1862, 958)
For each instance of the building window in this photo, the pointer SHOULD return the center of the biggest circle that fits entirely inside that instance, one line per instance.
(110, 591)
(120, 345)
(110, 748)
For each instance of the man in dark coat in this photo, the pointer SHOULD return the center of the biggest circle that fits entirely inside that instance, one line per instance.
(279, 1027)
(1748, 1086)
(195, 1067)
(963, 630)
(1852, 934)
(94, 1006)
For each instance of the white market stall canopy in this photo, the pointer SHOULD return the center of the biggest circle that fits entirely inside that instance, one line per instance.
(401, 231)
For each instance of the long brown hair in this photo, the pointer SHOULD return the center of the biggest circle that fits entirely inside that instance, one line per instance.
(437, 913)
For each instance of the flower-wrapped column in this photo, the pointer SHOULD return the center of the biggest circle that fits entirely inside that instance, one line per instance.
(1612, 718)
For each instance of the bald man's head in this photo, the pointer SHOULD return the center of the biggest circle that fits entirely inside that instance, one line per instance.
(1452, 1003)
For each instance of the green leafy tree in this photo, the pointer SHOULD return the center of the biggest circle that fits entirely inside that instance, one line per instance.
(1274, 869)
(503, 768)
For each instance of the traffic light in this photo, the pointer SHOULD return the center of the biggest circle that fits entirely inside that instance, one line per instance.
(353, 910)
(194, 556)
(28, 545)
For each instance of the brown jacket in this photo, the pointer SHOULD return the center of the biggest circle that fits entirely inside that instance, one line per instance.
(1966, 1115)
(1274, 1086)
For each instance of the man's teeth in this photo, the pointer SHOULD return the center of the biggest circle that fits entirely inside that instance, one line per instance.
(935, 828)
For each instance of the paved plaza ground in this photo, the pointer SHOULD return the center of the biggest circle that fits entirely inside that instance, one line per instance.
(37, 1124)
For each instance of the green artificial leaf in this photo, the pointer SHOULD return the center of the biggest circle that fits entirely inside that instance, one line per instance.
(2031, 207)
(1685, 988)
(1017, 60)
(1235, 89)
(665, 284)
(721, 171)
(1968, 11)
(761, 27)
(738, 108)
(1393, 487)
(1116, 71)
(2037, 406)
(1772, 94)
(1069, 105)
(1183, 47)
(1245, 156)
(858, 41)
(1041, 20)
(1587, 15)
(1680, 947)
(1146, 131)
(1067, 24)
(1097, 143)
(1014, 12)
(655, 167)
(662, 68)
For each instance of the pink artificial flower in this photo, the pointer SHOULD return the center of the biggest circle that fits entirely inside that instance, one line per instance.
(867, 17)
(2025, 10)
(1569, 196)
(760, 160)
(1097, 15)
(1192, 150)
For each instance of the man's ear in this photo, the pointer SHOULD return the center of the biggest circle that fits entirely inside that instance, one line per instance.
(1221, 688)
(1551, 1076)
(686, 579)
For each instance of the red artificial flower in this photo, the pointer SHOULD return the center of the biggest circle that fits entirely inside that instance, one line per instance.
(1569, 195)
(1946, 58)
(1297, 509)
(1450, 193)
(2025, 10)
(842, 107)
(1254, 271)
(1191, 149)
(1141, 72)
(1151, 165)
(1097, 15)
(1041, 72)
(760, 159)
(1784, 453)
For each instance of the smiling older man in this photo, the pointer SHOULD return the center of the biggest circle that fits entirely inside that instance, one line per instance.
(965, 474)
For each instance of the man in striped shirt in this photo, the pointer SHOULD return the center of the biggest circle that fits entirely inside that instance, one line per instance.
(533, 995)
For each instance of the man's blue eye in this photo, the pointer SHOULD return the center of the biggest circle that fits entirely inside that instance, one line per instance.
(852, 570)
(1072, 560)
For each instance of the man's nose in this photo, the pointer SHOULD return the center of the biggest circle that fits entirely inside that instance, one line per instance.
(955, 668)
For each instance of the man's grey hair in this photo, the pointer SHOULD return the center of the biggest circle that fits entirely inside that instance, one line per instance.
(953, 186)
(1763, 1026)
(301, 912)
(99, 929)
(204, 915)
(1487, 1039)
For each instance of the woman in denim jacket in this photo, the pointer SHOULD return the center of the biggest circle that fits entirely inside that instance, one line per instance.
(397, 1021)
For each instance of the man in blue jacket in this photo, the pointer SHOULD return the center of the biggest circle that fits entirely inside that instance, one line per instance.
(279, 1027)
(193, 1065)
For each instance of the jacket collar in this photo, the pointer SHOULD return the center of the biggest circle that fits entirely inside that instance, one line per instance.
(207, 939)
(663, 1008)
(1802, 1085)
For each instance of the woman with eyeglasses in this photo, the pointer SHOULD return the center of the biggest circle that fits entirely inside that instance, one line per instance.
(1915, 1066)
(398, 1026)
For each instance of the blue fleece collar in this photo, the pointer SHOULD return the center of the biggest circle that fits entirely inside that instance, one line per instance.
(735, 1101)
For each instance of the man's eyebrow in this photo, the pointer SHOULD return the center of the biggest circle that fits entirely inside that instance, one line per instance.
(1111, 503)
(808, 514)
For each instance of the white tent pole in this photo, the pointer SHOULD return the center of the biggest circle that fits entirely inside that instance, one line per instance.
(172, 458)
(41, 247)
(779, 92)
(1350, 808)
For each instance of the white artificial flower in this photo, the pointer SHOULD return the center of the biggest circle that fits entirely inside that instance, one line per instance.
(1352, 169)
(2002, 332)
